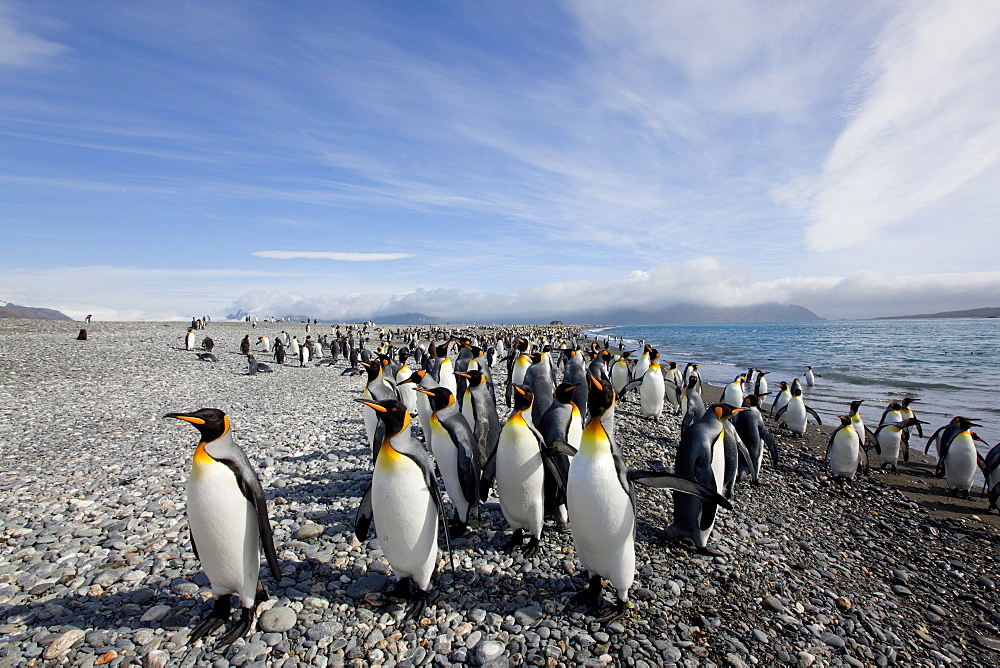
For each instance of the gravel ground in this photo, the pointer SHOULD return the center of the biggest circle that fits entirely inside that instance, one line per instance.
(96, 566)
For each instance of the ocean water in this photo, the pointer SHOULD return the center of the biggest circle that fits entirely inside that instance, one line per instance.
(951, 366)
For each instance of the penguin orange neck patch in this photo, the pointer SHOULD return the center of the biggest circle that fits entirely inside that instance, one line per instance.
(201, 455)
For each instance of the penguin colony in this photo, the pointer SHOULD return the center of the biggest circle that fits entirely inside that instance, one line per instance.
(432, 419)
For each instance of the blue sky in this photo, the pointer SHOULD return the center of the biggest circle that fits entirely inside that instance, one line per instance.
(498, 159)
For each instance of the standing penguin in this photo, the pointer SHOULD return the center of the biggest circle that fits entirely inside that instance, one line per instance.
(229, 523)
(733, 394)
(455, 452)
(541, 379)
(794, 414)
(991, 471)
(692, 405)
(760, 385)
(810, 377)
(601, 500)
(279, 351)
(959, 459)
(652, 390)
(642, 363)
(519, 469)
(755, 435)
(891, 439)
(188, 338)
(859, 424)
(245, 345)
(844, 454)
(780, 401)
(944, 434)
(405, 504)
(208, 344)
(482, 415)
(621, 375)
(701, 456)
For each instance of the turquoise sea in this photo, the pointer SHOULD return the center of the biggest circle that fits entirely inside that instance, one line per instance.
(952, 366)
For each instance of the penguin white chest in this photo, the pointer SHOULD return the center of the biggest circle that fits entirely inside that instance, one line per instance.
(888, 441)
(446, 455)
(843, 457)
(651, 393)
(960, 462)
(405, 516)
(602, 518)
(719, 462)
(795, 416)
(520, 476)
(224, 529)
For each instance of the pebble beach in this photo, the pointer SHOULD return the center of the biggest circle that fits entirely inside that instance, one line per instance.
(96, 564)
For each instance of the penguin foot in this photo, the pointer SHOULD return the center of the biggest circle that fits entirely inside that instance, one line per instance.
(240, 628)
(516, 541)
(403, 589)
(417, 605)
(591, 596)
(614, 613)
(531, 549)
(457, 529)
(220, 613)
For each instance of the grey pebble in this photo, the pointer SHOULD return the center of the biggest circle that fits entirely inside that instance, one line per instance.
(277, 620)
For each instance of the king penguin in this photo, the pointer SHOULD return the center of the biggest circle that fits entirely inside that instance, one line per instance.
(229, 523)
(701, 456)
(755, 436)
(519, 468)
(455, 453)
(733, 394)
(959, 459)
(652, 390)
(795, 414)
(600, 496)
(405, 504)
(844, 454)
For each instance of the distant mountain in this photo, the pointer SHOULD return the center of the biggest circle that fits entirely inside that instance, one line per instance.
(407, 319)
(31, 312)
(691, 314)
(985, 312)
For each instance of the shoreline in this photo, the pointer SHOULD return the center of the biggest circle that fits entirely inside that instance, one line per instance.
(95, 557)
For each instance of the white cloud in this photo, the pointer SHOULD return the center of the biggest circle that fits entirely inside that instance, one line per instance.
(331, 255)
(927, 125)
(20, 48)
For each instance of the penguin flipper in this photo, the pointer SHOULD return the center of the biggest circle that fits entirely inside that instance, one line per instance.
(363, 518)
(563, 448)
(631, 385)
(194, 546)
(489, 473)
(781, 411)
(435, 491)
(815, 415)
(679, 483)
(253, 492)
(377, 439)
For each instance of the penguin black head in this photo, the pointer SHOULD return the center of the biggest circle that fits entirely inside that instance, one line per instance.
(442, 350)
(523, 397)
(908, 400)
(535, 357)
(912, 422)
(796, 391)
(855, 405)
(390, 411)
(564, 392)
(753, 400)
(476, 377)
(845, 420)
(403, 354)
(725, 411)
(211, 422)
(373, 370)
(601, 396)
(414, 378)
(692, 382)
(439, 397)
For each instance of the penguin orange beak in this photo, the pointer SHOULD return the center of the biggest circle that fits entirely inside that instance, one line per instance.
(422, 390)
(372, 405)
(186, 418)
(518, 390)
(463, 375)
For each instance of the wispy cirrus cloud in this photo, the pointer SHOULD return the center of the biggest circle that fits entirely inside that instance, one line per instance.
(331, 255)
(927, 126)
(19, 47)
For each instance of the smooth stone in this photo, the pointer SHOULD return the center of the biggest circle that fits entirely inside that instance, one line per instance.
(773, 604)
(489, 650)
(62, 644)
(529, 615)
(368, 584)
(155, 613)
(310, 530)
(832, 639)
(156, 659)
(277, 620)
